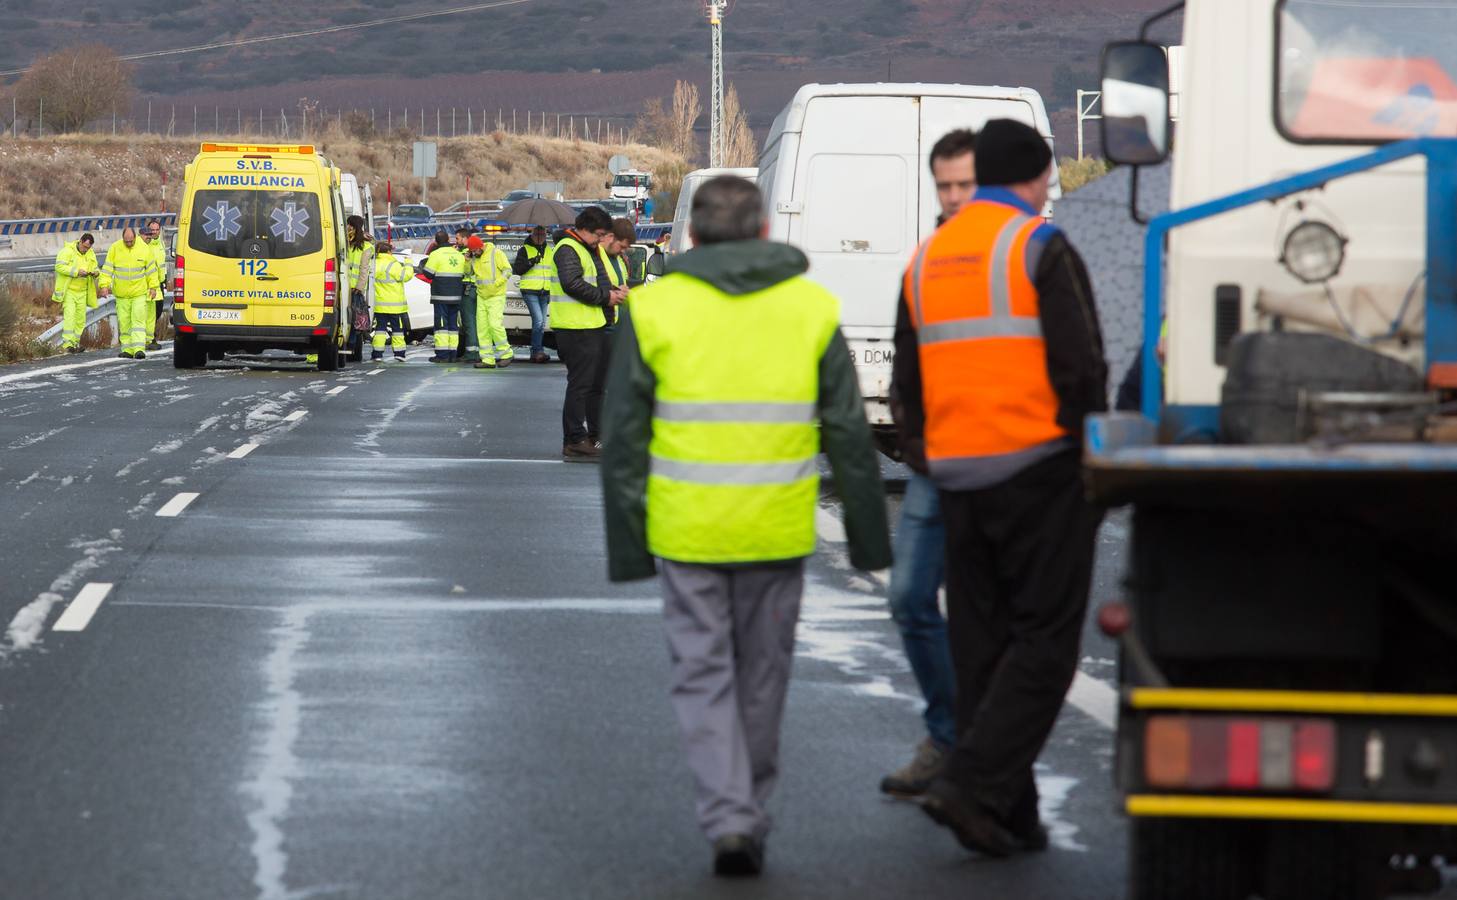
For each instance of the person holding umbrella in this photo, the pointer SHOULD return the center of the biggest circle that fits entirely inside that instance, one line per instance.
(534, 264)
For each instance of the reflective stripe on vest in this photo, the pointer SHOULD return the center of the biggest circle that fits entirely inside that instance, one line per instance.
(990, 407)
(732, 475)
(542, 273)
(567, 312)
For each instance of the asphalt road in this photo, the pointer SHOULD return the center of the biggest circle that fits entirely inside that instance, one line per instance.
(377, 657)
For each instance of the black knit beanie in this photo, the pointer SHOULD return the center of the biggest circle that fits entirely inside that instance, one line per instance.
(1009, 152)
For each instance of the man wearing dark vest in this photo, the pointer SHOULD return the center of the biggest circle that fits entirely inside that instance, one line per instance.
(998, 359)
(709, 464)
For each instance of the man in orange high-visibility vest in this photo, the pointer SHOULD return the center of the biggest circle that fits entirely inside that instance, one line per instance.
(999, 357)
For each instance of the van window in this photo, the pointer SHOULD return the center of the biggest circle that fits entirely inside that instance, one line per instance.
(1366, 70)
(256, 224)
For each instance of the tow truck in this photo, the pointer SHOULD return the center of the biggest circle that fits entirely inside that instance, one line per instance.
(1288, 627)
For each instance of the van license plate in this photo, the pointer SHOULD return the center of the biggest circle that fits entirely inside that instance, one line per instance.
(217, 315)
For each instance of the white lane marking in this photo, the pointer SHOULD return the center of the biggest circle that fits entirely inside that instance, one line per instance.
(25, 629)
(174, 507)
(68, 367)
(78, 614)
(242, 451)
(338, 390)
(375, 372)
(295, 415)
(1096, 698)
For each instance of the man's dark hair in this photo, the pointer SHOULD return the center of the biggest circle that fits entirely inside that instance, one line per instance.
(593, 218)
(465, 231)
(154, 221)
(87, 237)
(442, 237)
(624, 230)
(953, 144)
(726, 208)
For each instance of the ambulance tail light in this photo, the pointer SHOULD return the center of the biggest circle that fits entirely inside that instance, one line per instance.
(331, 284)
(178, 281)
(1239, 754)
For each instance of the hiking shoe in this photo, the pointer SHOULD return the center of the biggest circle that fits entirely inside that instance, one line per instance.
(975, 828)
(581, 451)
(1034, 840)
(540, 357)
(154, 346)
(738, 856)
(505, 361)
(139, 355)
(439, 359)
(125, 354)
(482, 364)
(912, 779)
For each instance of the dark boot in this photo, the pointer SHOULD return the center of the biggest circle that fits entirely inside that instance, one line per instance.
(738, 856)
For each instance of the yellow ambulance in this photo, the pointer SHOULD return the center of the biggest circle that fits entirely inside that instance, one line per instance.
(261, 250)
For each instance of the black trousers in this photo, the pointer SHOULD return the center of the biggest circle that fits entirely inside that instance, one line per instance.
(584, 351)
(1019, 563)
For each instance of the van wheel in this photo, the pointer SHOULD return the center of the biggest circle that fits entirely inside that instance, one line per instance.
(186, 354)
(1192, 859)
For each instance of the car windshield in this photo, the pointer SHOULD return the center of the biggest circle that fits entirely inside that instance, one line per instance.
(413, 211)
(1367, 70)
(255, 224)
(630, 181)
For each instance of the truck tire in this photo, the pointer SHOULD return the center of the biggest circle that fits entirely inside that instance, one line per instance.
(1321, 861)
(186, 354)
(1190, 859)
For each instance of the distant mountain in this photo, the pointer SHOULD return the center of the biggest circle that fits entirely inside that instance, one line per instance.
(496, 56)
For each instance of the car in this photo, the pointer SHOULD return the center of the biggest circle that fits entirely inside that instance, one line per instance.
(411, 214)
(516, 196)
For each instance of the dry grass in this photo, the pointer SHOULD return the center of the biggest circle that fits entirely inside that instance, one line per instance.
(100, 174)
(25, 312)
(1074, 173)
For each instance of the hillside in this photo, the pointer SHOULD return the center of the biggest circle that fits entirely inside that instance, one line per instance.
(84, 175)
(535, 55)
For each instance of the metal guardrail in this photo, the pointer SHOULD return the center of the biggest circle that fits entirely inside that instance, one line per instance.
(106, 309)
(82, 223)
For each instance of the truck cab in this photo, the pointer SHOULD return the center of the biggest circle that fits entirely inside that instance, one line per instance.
(631, 184)
(1288, 724)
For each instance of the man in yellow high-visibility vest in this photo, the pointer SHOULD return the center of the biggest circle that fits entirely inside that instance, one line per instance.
(710, 464)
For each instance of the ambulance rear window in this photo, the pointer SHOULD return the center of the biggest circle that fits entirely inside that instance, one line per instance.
(249, 224)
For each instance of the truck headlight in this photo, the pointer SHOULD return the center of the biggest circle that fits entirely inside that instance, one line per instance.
(1313, 252)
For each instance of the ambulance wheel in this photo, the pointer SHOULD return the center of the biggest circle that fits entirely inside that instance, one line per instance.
(1192, 859)
(186, 354)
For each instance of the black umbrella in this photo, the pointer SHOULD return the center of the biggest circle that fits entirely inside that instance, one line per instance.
(538, 212)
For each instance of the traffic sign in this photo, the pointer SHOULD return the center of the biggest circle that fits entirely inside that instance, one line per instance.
(618, 163)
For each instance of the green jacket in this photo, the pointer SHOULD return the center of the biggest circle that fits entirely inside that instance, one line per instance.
(736, 268)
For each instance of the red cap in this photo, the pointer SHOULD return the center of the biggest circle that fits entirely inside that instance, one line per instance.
(475, 243)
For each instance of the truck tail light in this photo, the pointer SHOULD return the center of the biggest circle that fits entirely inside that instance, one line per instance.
(1243, 754)
(177, 282)
(331, 284)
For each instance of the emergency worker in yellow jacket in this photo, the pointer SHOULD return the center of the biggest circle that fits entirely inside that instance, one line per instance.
(390, 276)
(130, 275)
(534, 264)
(998, 360)
(490, 273)
(445, 270)
(76, 274)
(710, 465)
(579, 298)
(152, 236)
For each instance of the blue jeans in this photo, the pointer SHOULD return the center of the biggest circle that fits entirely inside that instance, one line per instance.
(537, 303)
(915, 581)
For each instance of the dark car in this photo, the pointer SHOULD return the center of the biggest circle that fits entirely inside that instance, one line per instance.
(412, 214)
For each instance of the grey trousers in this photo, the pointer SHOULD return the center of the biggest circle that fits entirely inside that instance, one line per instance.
(731, 638)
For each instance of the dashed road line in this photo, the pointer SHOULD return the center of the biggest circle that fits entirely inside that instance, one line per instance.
(338, 390)
(295, 415)
(374, 372)
(78, 614)
(174, 507)
(242, 451)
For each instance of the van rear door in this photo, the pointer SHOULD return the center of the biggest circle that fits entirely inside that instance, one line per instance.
(942, 114)
(262, 251)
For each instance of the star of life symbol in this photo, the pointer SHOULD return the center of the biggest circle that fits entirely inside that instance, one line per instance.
(222, 221)
(290, 223)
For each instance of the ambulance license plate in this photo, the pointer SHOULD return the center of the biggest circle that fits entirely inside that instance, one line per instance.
(217, 315)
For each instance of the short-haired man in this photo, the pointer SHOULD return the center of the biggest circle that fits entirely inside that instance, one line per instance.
(130, 273)
(534, 264)
(920, 539)
(709, 464)
(76, 271)
(614, 249)
(998, 360)
(444, 270)
(152, 236)
(579, 298)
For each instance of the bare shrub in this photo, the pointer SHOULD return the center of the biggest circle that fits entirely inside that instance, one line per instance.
(74, 86)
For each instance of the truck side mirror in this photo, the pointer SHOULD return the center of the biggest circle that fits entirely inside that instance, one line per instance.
(607, 185)
(1135, 96)
(657, 264)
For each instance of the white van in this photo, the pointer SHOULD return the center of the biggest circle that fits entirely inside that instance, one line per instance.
(846, 178)
(680, 240)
